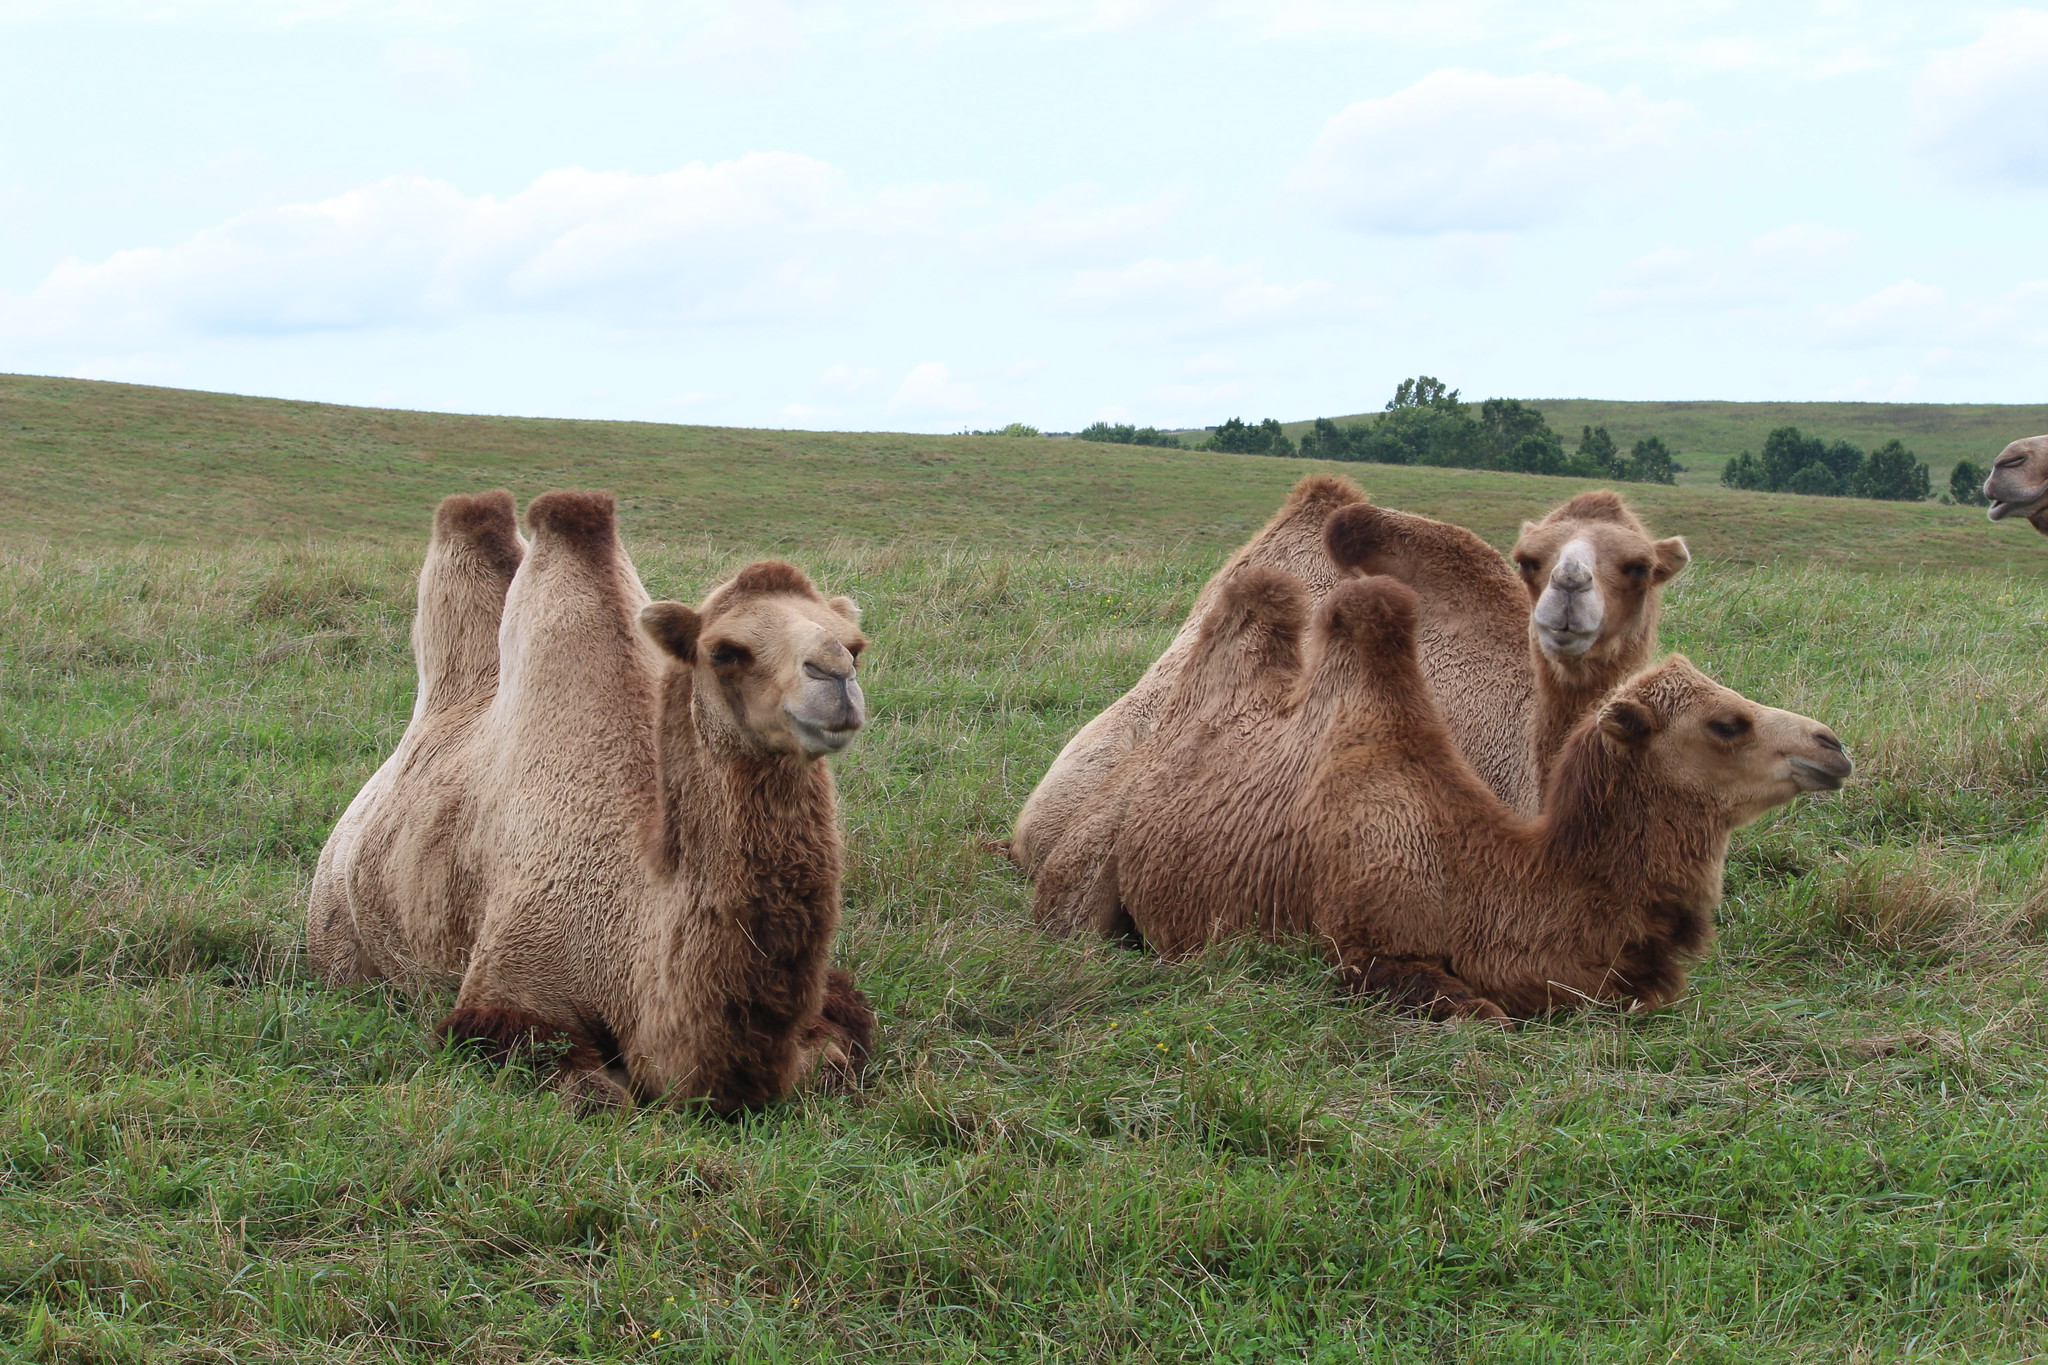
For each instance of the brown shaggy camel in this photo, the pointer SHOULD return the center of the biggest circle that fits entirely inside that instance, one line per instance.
(609, 822)
(1589, 564)
(1302, 781)
(2018, 486)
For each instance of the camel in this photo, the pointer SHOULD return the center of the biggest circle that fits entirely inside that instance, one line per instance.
(610, 824)
(1477, 633)
(2018, 485)
(1302, 781)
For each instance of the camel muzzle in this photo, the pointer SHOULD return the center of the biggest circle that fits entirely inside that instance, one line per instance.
(1826, 770)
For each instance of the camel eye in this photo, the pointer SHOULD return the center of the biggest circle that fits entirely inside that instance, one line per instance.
(1638, 569)
(1527, 565)
(729, 655)
(1730, 727)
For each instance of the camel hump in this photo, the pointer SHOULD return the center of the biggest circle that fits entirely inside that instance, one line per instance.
(1375, 616)
(1322, 492)
(1257, 600)
(486, 522)
(1361, 537)
(1602, 504)
(586, 521)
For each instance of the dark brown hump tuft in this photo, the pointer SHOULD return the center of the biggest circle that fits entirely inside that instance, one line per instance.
(1373, 615)
(1359, 536)
(1602, 504)
(486, 522)
(770, 576)
(587, 521)
(1327, 491)
(1258, 594)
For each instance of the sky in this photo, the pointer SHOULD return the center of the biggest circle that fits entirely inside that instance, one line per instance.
(936, 215)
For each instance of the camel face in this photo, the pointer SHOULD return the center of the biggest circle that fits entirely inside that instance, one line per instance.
(1739, 756)
(1591, 572)
(774, 661)
(2018, 485)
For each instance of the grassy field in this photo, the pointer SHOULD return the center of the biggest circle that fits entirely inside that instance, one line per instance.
(1835, 1150)
(1708, 435)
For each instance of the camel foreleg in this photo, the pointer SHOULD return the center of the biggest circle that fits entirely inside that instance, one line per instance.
(1422, 986)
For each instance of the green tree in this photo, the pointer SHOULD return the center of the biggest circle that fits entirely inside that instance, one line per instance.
(1514, 436)
(1595, 456)
(1966, 484)
(1893, 475)
(1325, 440)
(1650, 461)
(1815, 480)
(1743, 471)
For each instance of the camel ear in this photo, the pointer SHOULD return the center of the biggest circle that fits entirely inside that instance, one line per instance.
(1527, 527)
(1627, 722)
(1672, 557)
(673, 626)
(846, 607)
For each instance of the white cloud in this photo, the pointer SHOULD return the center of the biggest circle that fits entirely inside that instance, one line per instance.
(1767, 269)
(1910, 313)
(1076, 225)
(1206, 295)
(764, 236)
(931, 388)
(1466, 150)
(1981, 112)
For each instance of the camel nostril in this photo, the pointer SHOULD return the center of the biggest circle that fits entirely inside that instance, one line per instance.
(820, 674)
(1826, 739)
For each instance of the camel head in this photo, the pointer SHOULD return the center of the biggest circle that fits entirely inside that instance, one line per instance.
(772, 661)
(1690, 734)
(2018, 485)
(1594, 576)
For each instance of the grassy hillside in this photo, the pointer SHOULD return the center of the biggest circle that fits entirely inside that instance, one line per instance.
(121, 464)
(1832, 1151)
(1707, 435)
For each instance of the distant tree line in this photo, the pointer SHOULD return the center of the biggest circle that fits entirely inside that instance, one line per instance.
(1426, 423)
(1124, 434)
(1793, 462)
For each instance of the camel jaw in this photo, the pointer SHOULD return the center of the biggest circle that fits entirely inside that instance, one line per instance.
(817, 741)
(1565, 644)
(1823, 776)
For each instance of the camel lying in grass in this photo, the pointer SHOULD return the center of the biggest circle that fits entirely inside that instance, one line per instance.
(609, 823)
(1301, 781)
(1589, 568)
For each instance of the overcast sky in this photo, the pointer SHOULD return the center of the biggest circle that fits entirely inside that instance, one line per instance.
(924, 216)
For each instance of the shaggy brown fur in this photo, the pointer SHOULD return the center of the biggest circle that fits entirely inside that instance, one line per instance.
(2018, 486)
(1505, 713)
(1343, 811)
(621, 845)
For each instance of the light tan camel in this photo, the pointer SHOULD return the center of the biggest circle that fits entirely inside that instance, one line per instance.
(1477, 634)
(611, 826)
(1303, 783)
(2018, 486)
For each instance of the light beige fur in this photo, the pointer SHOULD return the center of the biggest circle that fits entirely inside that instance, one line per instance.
(608, 823)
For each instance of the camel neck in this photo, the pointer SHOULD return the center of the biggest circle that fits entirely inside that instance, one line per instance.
(1617, 838)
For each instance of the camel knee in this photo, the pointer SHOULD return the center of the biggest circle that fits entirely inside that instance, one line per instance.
(845, 1032)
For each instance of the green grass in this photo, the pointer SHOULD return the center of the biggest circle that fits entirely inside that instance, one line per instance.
(1836, 1149)
(1709, 434)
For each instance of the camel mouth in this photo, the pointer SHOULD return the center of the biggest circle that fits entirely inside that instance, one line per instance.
(2001, 508)
(1823, 776)
(818, 741)
(1566, 644)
